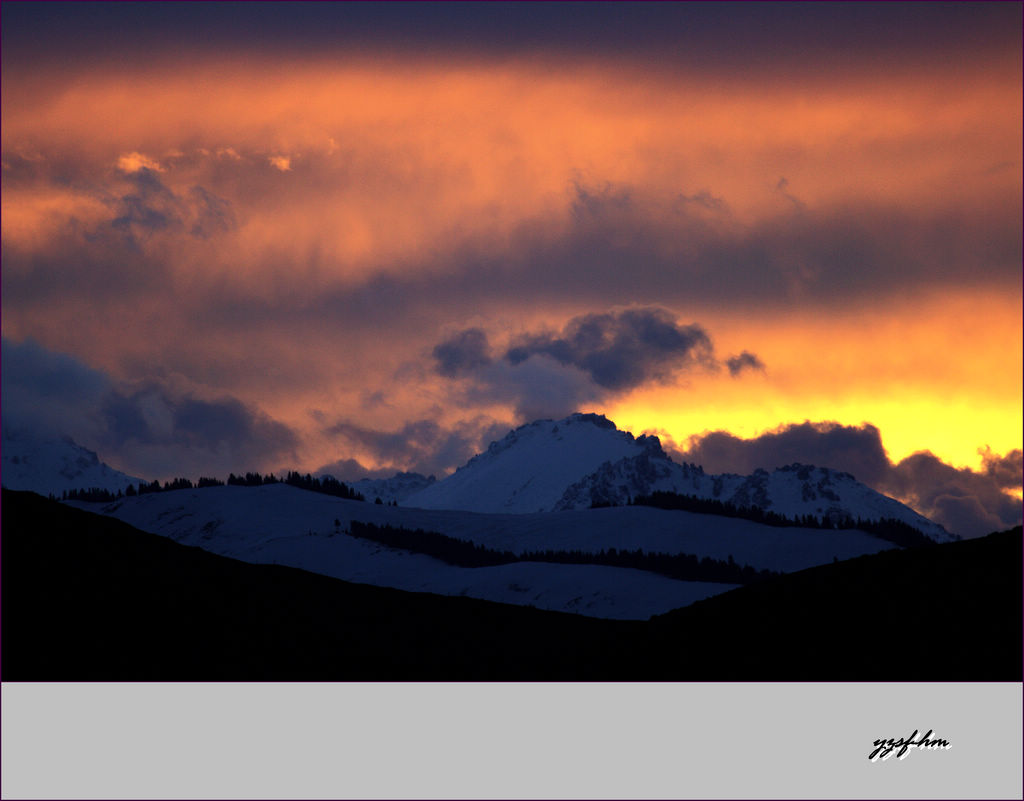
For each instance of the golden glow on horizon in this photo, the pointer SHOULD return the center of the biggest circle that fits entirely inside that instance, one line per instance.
(951, 431)
(947, 378)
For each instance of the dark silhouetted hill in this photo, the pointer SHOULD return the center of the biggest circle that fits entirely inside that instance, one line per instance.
(86, 597)
(944, 612)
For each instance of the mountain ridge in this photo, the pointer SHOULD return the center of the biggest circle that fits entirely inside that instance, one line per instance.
(522, 473)
(87, 598)
(578, 462)
(48, 464)
(534, 469)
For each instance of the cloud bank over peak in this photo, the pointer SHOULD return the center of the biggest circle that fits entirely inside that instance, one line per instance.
(149, 428)
(595, 356)
(745, 361)
(160, 428)
(620, 351)
(462, 353)
(1005, 470)
(967, 502)
(422, 446)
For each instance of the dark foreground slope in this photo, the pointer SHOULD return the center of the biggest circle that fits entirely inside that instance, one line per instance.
(86, 597)
(945, 612)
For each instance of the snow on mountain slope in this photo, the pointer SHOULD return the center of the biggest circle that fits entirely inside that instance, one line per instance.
(278, 523)
(584, 461)
(616, 483)
(397, 488)
(54, 464)
(529, 470)
(803, 489)
(791, 491)
(284, 525)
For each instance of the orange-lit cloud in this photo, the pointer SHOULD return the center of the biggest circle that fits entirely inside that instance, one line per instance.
(410, 157)
(301, 234)
(133, 162)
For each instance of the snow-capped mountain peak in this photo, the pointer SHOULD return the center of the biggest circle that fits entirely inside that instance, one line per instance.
(792, 491)
(575, 463)
(530, 467)
(584, 460)
(53, 464)
(397, 488)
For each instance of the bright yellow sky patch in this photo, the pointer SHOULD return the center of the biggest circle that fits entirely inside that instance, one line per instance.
(945, 378)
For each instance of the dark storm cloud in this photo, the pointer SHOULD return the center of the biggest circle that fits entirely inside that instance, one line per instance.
(65, 272)
(782, 187)
(124, 259)
(352, 470)
(147, 207)
(124, 421)
(687, 262)
(620, 351)
(592, 203)
(856, 450)
(22, 169)
(595, 356)
(181, 432)
(835, 257)
(412, 440)
(1005, 470)
(193, 423)
(211, 214)
(148, 430)
(610, 249)
(745, 361)
(152, 207)
(41, 389)
(831, 258)
(155, 207)
(463, 353)
(226, 420)
(966, 502)
(537, 388)
(705, 200)
(966, 515)
(421, 446)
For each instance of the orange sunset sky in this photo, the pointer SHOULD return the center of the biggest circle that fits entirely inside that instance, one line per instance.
(373, 238)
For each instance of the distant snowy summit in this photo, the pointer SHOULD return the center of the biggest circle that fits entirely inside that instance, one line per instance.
(53, 464)
(584, 461)
(530, 468)
(792, 491)
(578, 462)
(395, 489)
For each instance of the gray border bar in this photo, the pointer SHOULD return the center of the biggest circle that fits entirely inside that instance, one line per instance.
(714, 741)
